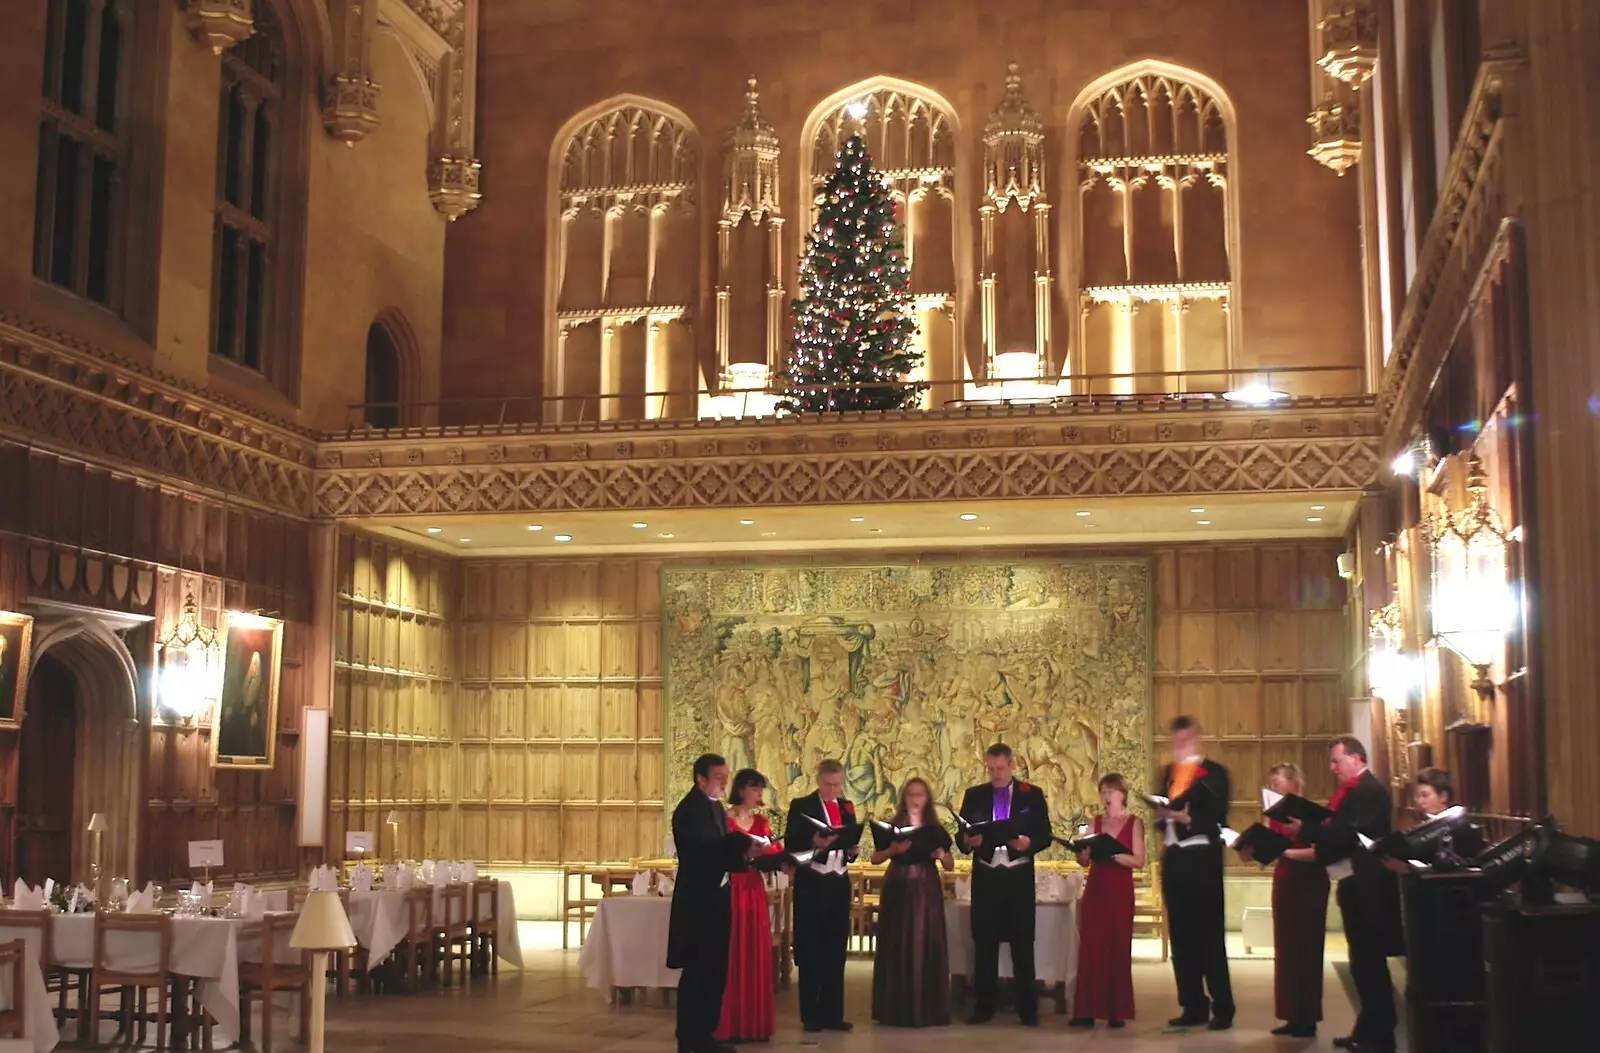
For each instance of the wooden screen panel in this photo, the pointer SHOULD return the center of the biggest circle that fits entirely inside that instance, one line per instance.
(1252, 640)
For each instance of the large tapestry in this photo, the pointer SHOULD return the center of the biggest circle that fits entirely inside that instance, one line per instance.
(911, 669)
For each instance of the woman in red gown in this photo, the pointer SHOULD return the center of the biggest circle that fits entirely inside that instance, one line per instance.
(1105, 917)
(1299, 924)
(747, 998)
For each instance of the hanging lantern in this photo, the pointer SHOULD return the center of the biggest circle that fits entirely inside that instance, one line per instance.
(187, 665)
(1473, 605)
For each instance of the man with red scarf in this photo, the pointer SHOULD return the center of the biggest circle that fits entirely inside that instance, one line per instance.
(1368, 896)
(1191, 879)
(821, 899)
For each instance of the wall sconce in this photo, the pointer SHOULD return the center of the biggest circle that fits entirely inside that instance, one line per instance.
(1391, 673)
(1473, 605)
(187, 665)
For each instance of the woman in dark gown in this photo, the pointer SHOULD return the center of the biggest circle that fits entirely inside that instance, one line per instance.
(747, 998)
(1105, 916)
(1299, 923)
(911, 971)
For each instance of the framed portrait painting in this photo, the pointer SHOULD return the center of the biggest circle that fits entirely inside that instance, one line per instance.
(245, 732)
(16, 638)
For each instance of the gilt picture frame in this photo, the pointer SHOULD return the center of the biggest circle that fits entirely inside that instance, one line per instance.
(16, 642)
(245, 731)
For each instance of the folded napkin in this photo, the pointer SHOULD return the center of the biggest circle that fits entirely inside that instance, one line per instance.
(406, 878)
(324, 879)
(664, 884)
(429, 869)
(469, 872)
(641, 882)
(239, 900)
(361, 878)
(25, 898)
(963, 890)
(143, 901)
(203, 894)
(49, 890)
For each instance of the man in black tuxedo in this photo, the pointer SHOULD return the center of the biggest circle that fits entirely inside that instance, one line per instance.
(1002, 885)
(1191, 878)
(697, 936)
(1369, 896)
(821, 899)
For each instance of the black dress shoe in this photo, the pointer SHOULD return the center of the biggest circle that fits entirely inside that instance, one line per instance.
(1220, 1023)
(1346, 1042)
(838, 1025)
(1293, 1030)
(1115, 1023)
(1081, 1021)
(981, 1017)
(1189, 1020)
(1030, 1020)
(1368, 1045)
(809, 1026)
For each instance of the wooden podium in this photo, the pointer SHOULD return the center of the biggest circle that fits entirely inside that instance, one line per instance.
(1445, 1002)
(1543, 975)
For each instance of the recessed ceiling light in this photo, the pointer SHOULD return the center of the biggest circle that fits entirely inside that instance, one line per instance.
(640, 526)
(967, 517)
(874, 530)
(535, 526)
(563, 538)
(1197, 511)
(858, 519)
(769, 533)
(436, 530)
(668, 535)
(747, 522)
(1202, 522)
(1313, 519)
(464, 540)
(1318, 508)
(1255, 395)
(1083, 515)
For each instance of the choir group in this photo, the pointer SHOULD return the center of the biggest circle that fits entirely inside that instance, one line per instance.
(721, 940)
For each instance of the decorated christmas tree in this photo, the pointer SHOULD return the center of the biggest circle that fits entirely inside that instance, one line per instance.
(852, 322)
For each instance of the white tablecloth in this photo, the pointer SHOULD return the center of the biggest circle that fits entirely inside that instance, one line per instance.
(627, 945)
(379, 921)
(39, 1026)
(204, 948)
(1055, 942)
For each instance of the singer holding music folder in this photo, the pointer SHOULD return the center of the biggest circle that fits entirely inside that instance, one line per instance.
(1191, 820)
(911, 966)
(1368, 895)
(825, 824)
(1003, 824)
(1299, 913)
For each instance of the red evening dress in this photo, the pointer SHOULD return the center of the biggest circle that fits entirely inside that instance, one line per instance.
(1299, 926)
(747, 998)
(1105, 939)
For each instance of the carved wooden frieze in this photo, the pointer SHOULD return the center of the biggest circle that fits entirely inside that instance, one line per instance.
(1274, 451)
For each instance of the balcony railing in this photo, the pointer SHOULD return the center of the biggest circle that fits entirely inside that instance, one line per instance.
(531, 414)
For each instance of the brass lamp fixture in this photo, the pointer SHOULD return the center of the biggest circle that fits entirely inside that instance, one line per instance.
(1392, 674)
(187, 665)
(1473, 605)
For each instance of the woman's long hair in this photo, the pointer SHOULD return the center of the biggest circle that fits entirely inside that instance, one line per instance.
(930, 812)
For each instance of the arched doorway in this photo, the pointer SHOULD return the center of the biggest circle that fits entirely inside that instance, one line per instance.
(78, 751)
(383, 378)
(46, 746)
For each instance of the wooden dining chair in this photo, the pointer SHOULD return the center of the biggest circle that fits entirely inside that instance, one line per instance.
(262, 980)
(353, 961)
(486, 927)
(14, 1021)
(582, 889)
(416, 949)
(58, 980)
(1149, 913)
(133, 985)
(453, 931)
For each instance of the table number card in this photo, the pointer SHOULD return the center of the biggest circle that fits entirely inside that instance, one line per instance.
(359, 843)
(203, 854)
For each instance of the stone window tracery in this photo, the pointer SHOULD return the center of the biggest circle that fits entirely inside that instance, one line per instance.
(1155, 231)
(627, 263)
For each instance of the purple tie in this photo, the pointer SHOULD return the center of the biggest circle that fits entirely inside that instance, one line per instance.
(1002, 804)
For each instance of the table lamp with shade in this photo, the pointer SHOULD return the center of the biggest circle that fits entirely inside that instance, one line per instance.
(323, 927)
(392, 821)
(98, 825)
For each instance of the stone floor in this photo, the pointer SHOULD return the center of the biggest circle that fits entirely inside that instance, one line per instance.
(546, 1007)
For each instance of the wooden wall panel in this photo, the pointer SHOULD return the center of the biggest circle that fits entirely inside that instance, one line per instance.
(396, 710)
